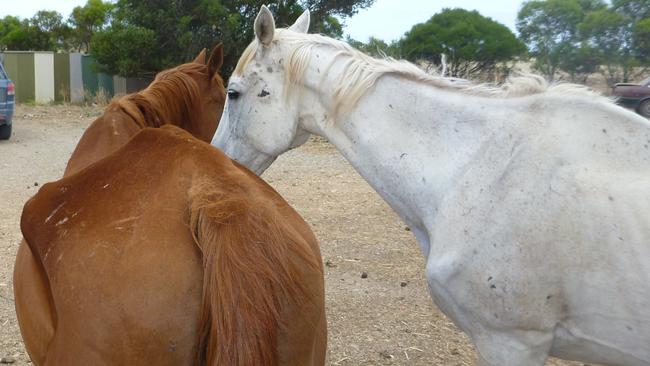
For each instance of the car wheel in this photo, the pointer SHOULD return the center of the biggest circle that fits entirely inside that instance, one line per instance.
(644, 108)
(5, 132)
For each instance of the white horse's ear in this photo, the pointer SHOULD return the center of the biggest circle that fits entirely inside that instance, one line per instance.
(302, 23)
(264, 26)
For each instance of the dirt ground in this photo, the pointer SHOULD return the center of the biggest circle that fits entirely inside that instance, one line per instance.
(384, 319)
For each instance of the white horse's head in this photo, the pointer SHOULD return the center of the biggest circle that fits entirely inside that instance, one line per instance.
(260, 117)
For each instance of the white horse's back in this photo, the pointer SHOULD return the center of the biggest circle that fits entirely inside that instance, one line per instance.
(555, 231)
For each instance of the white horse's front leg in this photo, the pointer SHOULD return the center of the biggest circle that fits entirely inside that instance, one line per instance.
(517, 348)
(496, 345)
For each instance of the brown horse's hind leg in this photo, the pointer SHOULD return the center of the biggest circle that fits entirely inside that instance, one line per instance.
(33, 304)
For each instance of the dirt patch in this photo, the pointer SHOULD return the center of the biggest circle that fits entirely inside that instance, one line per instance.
(386, 318)
(43, 139)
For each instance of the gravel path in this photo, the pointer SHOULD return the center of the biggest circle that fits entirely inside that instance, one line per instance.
(386, 318)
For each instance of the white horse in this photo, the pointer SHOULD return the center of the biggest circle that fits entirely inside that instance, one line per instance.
(530, 202)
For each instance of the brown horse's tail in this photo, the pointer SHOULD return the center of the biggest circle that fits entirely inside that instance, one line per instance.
(250, 271)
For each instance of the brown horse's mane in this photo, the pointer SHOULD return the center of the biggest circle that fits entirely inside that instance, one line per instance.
(172, 98)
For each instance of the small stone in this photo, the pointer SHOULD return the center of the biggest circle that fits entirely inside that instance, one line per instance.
(330, 264)
(454, 351)
(386, 355)
(35, 184)
(364, 275)
(407, 228)
(403, 283)
(7, 359)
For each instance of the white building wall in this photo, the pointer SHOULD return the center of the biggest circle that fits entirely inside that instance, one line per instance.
(44, 76)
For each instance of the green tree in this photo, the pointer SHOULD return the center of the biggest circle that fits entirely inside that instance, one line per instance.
(473, 43)
(49, 26)
(182, 28)
(10, 26)
(635, 10)
(375, 47)
(642, 39)
(87, 20)
(580, 62)
(550, 30)
(324, 13)
(636, 30)
(619, 35)
(604, 30)
(133, 48)
(23, 35)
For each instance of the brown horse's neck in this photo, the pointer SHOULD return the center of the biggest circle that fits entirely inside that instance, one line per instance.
(177, 97)
(175, 100)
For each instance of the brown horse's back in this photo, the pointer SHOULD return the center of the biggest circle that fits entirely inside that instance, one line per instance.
(103, 137)
(117, 247)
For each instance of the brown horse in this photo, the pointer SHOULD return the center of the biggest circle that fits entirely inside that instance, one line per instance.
(166, 252)
(151, 300)
(190, 96)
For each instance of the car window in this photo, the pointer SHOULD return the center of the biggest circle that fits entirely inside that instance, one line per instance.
(646, 82)
(3, 75)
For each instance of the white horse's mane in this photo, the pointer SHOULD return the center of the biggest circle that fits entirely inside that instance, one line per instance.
(361, 72)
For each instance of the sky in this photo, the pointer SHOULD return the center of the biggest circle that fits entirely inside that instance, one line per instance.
(27, 8)
(385, 19)
(390, 19)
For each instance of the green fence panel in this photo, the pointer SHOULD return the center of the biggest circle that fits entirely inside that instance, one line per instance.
(90, 79)
(137, 84)
(20, 67)
(105, 83)
(62, 77)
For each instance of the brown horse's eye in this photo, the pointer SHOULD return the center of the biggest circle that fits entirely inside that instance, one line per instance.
(233, 94)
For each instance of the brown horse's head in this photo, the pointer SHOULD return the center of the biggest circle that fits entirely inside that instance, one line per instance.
(190, 96)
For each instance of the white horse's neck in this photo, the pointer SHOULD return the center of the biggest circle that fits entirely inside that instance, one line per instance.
(409, 141)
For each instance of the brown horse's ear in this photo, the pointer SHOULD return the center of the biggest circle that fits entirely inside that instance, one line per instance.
(200, 59)
(216, 59)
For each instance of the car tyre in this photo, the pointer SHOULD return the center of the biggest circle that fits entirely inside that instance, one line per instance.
(644, 108)
(5, 132)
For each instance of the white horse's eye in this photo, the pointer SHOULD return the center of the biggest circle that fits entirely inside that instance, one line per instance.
(233, 94)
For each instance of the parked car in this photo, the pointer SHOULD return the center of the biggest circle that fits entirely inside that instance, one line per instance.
(7, 92)
(636, 96)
